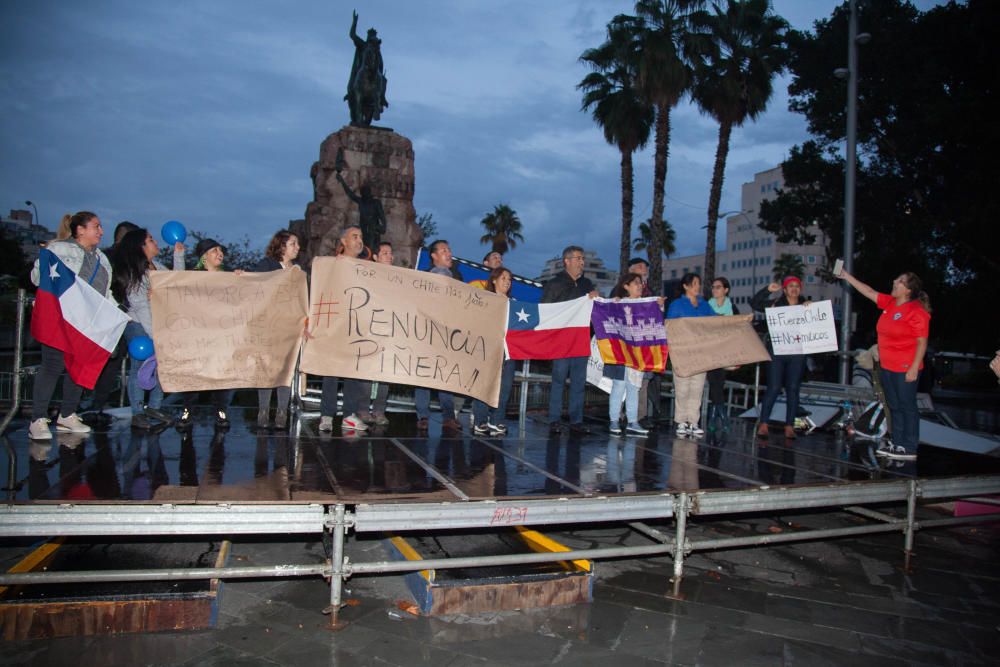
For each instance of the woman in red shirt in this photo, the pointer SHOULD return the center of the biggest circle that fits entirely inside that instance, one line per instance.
(902, 341)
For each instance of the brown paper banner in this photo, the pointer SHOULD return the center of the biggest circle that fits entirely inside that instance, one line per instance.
(225, 331)
(389, 324)
(699, 344)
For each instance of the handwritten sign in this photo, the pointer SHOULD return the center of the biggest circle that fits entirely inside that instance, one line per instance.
(699, 344)
(595, 368)
(802, 329)
(214, 330)
(389, 324)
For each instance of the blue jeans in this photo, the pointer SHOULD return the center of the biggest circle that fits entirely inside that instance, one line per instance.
(353, 396)
(135, 393)
(784, 371)
(576, 369)
(482, 412)
(621, 388)
(422, 399)
(901, 397)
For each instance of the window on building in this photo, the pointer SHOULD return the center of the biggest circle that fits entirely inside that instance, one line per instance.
(810, 279)
(673, 273)
(812, 259)
(723, 266)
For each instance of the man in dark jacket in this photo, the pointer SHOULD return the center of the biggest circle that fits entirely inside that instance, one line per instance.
(569, 284)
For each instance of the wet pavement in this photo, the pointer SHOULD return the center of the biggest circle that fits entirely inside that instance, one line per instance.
(815, 603)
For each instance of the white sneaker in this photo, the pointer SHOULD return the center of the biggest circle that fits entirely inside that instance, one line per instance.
(71, 424)
(897, 452)
(39, 429)
(353, 422)
(682, 428)
(695, 431)
(326, 423)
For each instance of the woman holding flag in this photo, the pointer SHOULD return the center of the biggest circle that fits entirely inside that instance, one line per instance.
(80, 255)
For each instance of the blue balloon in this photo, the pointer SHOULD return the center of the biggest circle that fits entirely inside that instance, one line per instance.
(173, 232)
(141, 348)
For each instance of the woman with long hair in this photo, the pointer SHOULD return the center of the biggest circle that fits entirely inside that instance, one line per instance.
(722, 305)
(280, 255)
(902, 330)
(133, 260)
(688, 391)
(486, 419)
(785, 370)
(81, 255)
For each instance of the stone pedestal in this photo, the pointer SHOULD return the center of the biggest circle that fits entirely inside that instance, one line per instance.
(382, 159)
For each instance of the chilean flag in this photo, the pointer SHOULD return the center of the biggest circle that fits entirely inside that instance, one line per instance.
(549, 330)
(72, 316)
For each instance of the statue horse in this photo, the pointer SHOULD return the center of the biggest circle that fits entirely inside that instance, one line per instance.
(367, 92)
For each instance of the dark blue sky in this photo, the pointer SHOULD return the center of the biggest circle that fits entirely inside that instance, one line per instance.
(212, 113)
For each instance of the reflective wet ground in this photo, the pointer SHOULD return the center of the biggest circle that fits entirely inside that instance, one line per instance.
(830, 602)
(396, 463)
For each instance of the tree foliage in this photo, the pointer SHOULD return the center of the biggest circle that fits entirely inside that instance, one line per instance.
(787, 264)
(503, 229)
(240, 254)
(737, 50)
(427, 225)
(927, 147)
(611, 92)
(645, 239)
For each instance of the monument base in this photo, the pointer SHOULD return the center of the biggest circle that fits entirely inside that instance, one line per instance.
(379, 158)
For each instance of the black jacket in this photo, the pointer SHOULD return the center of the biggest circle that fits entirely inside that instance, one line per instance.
(564, 288)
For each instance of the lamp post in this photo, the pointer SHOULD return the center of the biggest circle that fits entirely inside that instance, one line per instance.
(851, 74)
(35, 208)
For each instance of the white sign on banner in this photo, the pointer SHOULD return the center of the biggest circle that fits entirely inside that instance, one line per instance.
(802, 329)
(595, 368)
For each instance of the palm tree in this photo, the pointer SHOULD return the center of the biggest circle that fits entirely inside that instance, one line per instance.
(644, 240)
(737, 49)
(788, 264)
(503, 229)
(617, 107)
(664, 77)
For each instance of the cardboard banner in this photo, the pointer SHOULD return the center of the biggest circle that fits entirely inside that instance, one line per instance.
(802, 329)
(389, 324)
(699, 344)
(214, 330)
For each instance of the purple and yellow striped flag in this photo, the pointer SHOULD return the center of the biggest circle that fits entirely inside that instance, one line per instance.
(630, 332)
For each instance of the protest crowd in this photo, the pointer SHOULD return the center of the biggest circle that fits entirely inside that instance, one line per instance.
(94, 307)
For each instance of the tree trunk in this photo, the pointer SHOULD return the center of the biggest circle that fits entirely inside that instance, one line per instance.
(718, 175)
(659, 180)
(627, 190)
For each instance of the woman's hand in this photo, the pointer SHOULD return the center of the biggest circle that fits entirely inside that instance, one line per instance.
(774, 287)
(179, 247)
(911, 374)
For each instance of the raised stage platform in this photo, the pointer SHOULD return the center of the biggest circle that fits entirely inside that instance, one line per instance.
(238, 481)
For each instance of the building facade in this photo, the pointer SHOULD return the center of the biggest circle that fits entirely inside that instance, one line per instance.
(750, 253)
(19, 225)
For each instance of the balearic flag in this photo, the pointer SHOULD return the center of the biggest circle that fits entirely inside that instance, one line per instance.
(549, 330)
(72, 316)
(630, 332)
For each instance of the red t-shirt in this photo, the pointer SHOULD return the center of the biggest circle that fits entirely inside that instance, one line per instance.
(898, 329)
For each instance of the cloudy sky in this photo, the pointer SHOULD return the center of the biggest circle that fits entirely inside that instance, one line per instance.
(213, 112)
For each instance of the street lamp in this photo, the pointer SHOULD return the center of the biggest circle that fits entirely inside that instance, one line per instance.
(851, 74)
(32, 205)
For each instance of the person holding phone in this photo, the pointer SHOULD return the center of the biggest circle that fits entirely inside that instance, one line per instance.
(902, 343)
